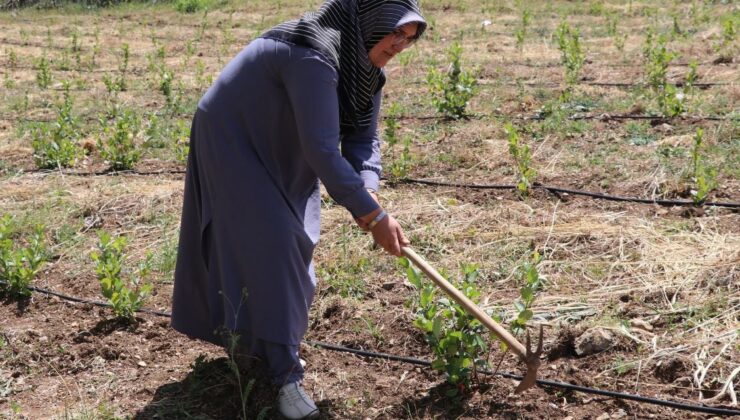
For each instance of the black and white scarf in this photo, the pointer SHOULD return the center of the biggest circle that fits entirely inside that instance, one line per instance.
(344, 31)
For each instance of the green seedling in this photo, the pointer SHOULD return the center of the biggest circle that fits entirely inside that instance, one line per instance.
(19, 265)
(392, 125)
(532, 282)
(698, 13)
(181, 141)
(190, 6)
(521, 32)
(571, 52)
(126, 296)
(232, 337)
(94, 51)
(613, 31)
(117, 143)
(400, 167)
(452, 90)
(202, 27)
(704, 177)
(692, 76)
(43, 73)
(155, 133)
(12, 59)
(676, 29)
(118, 82)
(63, 62)
(522, 159)
(658, 58)
(202, 81)
(76, 50)
(729, 28)
(8, 82)
(612, 20)
(457, 339)
(244, 389)
(55, 144)
(166, 87)
(619, 40)
(24, 36)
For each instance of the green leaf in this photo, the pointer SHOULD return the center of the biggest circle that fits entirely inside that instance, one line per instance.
(527, 294)
(519, 306)
(439, 364)
(525, 316)
(436, 327)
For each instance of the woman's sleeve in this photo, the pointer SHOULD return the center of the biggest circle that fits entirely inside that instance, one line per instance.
(311, 85)
(362, 149)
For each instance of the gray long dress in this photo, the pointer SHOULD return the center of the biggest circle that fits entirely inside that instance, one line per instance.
(262, 137)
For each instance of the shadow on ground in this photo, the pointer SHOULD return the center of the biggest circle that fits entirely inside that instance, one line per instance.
(439, 404)
(211, 391)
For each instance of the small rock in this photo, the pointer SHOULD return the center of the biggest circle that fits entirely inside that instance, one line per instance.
(389, 286)
(141, 363)
(684, 381)
(619, 414)
(604, 416)
(641, 324)
(594, 340)
(671, 368)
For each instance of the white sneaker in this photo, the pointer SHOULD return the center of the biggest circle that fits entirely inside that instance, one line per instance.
(294, 403)
(303, 363)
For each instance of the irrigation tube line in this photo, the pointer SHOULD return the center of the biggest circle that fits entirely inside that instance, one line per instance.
(518, 117)
(488, 81)
(667, 203)
(541, 382)
(412, 360)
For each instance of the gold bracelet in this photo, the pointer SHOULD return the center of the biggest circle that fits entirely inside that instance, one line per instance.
(377, 219)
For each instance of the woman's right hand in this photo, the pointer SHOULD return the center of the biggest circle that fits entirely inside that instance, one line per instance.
(387, 232)
(389, 235)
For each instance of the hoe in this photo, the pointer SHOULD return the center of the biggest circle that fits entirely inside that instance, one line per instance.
(526, 354)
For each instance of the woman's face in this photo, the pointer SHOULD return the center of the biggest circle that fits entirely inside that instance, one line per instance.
(392, 44)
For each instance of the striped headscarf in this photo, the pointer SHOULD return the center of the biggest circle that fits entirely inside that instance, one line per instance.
(344, 31)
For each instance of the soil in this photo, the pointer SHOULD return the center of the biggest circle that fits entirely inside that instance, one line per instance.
(147, 370)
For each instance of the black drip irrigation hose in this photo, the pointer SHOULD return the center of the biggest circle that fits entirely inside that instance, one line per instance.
(541, 382)
(416, 361)
(479, 116)
(552, 189)
(667, 203)
(92, 302)
(105, 173)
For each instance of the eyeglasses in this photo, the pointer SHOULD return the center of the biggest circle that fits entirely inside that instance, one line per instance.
(400, 39)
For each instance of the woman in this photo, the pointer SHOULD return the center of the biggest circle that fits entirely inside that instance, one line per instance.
(264, 135)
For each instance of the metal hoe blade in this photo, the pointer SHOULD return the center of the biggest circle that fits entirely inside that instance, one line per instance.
(532, 360)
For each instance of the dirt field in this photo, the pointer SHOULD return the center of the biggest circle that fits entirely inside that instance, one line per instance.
(660, 283)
